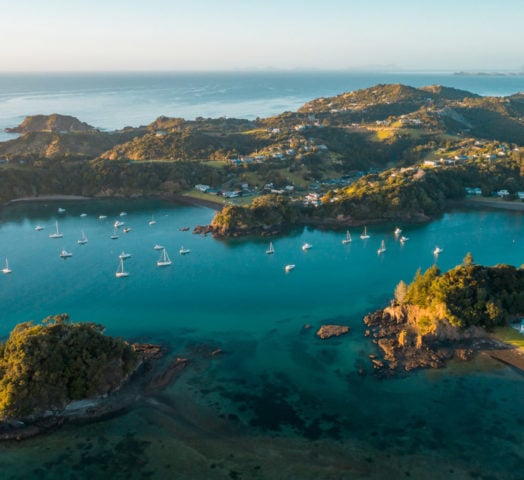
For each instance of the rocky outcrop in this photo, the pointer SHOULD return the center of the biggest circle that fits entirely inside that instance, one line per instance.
(405, 348)
(328, 331)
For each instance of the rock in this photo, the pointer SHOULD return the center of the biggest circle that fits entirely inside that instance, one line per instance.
(327, 331)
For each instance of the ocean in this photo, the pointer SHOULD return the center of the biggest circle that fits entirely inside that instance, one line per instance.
(278, 403)
(111, 101)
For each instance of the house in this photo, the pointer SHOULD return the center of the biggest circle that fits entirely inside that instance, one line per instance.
(520, 195)
(430, 163)
(202, 188)
(473, 191)
(502, 193)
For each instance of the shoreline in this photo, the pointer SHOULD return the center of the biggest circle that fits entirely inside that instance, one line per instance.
(494, 203)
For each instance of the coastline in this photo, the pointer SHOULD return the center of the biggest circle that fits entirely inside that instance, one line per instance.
(48, 198)
(494, 203)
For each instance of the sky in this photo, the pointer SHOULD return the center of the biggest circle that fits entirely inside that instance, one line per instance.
(139, 35)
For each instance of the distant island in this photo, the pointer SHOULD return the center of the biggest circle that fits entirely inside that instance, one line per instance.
(489, 74)
(441, 316)
(386, 153)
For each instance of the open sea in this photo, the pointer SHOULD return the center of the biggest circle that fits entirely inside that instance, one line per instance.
(278, 403)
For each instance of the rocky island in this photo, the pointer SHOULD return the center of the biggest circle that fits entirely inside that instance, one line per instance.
(438, 317)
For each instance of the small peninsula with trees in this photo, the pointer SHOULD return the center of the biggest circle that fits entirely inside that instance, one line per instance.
(440, 316)
(58, 370)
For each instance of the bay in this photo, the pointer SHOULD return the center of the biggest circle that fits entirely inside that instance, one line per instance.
(278, 403)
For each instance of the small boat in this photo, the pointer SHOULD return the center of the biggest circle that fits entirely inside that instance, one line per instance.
(183, 229)
(65, 254)
(57, 234)
(437, 250)
(403, 239)
(102, 217)
(114, 236)
(124, 256)
(183, 251)
(364, 235)
(123, 214)
(152, 221)
(347, 239)
(83, 239)
(398, 231)
(38, 228)
(290, 267)
(61, 210)
(6, 269)
(158, 247)
(382, 248)
(118, 224)
(164, 260)
(120, 272)
(83, 215)
(270, 249)
(306, 246)
(126, 229)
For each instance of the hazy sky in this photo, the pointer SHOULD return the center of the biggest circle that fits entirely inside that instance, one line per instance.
(250, 34)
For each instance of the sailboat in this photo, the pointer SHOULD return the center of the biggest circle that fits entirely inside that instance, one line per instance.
(120, 272)
(65, 254)
(124, 255)
(397, 231)
(270, 249)
(382, 248)
(38, 228)
(164, 260)
(437, 250)
(183, 250)
(347, 239)
(6, 269)
(306, 246)
(114, 236)
(57, 234)
(364, 235)
(83, 239)
(152, 221)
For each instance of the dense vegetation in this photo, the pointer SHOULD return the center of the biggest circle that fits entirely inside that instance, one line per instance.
(467, 295)
(45, 366)
(268, 211)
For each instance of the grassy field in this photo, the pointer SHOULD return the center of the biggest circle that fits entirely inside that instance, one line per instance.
(509, 335)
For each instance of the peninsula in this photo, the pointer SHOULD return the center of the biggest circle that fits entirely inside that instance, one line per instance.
(385, 153)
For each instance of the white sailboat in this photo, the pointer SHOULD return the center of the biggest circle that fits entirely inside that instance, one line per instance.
(152, 221)
(83, 239)
(124, 256)
(38, 228)
(114, 236)
(270, 249)
(164, 260)
(403, 239)
(158, 247)
(398, 231)
(347, 239)
(6, 269)
(306, 246)
(183, 251)
(65, 254)
(382, 248)
(437, 250)
(364, 235)
(120, 272)
(289, 267)
(118, 223)
(57, 234)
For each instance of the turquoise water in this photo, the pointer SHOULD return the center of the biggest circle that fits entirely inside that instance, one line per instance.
(278, 403)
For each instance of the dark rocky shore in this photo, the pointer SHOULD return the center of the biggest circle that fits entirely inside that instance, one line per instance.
(403, 350)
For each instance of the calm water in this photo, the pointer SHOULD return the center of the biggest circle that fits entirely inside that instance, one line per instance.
(278, 403)
(112, 101)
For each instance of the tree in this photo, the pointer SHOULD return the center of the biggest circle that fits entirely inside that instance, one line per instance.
(401, 291)
(468, 260)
